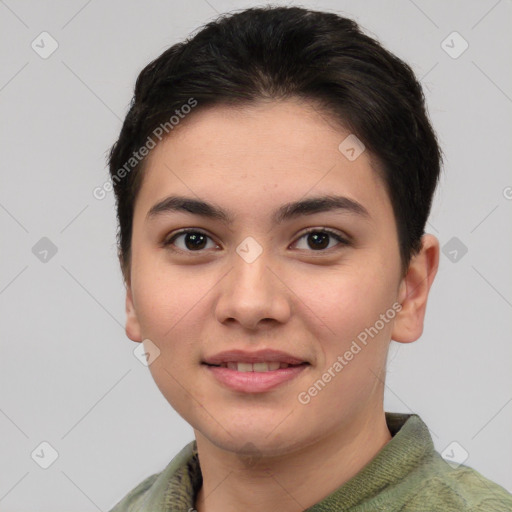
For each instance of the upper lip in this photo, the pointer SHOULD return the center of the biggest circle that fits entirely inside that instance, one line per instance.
(260, 356)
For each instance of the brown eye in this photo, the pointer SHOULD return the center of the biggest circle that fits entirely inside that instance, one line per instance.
(319, 239)
(191, 241)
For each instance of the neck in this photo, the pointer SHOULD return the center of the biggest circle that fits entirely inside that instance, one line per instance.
(289, 483)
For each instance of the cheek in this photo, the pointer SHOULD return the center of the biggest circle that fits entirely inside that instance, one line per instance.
(346, 304)
(171, 312)
(351, 307)
(167, 297)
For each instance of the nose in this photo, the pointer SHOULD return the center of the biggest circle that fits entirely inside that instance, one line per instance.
(253, 294)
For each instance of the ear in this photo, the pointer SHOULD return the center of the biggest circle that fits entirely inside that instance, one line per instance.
(414, 289)
(132, 321)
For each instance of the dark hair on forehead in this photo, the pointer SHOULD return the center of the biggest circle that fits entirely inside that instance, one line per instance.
(276, 53)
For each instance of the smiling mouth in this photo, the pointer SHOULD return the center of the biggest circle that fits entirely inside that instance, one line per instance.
(255, 367)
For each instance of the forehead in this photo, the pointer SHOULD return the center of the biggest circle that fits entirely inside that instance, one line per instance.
(257, 156)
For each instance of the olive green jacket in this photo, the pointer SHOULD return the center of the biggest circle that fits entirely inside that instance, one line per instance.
(406, 475)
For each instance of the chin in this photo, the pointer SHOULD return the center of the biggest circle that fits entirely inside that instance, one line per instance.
(257, 438)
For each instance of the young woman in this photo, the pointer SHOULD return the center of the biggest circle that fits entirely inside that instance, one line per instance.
(273, 179)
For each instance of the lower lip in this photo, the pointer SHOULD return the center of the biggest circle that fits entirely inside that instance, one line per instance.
(255, 382)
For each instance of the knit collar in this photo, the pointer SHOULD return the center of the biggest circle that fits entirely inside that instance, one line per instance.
(178, 484)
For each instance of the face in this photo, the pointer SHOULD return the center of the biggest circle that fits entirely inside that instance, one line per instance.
(306, 282)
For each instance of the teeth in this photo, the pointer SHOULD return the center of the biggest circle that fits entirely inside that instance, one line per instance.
(256, 367)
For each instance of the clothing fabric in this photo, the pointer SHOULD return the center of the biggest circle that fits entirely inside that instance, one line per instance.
(406, 475)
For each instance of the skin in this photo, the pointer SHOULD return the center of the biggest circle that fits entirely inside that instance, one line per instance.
(294, 297)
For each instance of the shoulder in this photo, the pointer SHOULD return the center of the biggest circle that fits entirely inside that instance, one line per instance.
(461, 489)
(134, 500)
(150, 493)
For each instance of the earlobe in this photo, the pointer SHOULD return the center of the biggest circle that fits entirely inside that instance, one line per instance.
(132, 321)
(414, 290)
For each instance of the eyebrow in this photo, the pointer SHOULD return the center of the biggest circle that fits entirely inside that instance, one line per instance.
(286, 212)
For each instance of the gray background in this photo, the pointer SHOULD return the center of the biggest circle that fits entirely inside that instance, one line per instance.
(68, 375)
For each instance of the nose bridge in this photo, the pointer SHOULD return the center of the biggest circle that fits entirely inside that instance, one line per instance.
(252, 292)
(251, 276)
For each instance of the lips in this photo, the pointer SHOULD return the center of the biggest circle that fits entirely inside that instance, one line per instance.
(243, 377)
(254, 361)
(269, 366)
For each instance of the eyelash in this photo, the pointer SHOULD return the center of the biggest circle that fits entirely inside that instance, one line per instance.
(168, 242)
